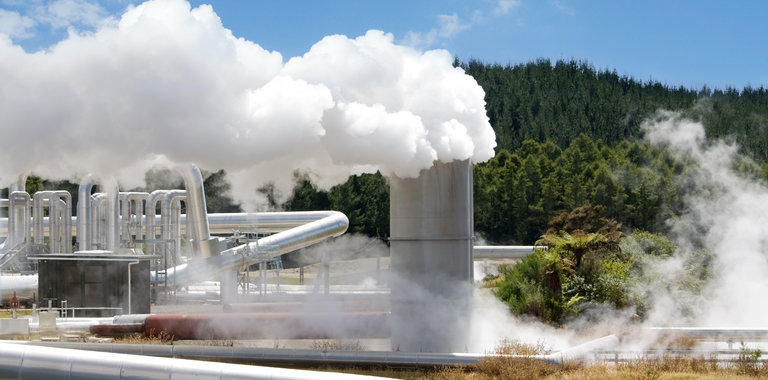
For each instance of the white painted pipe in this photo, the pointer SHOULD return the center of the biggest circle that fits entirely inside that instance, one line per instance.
(84, 226)
(298, 357)
(151, 221)
(112, 215)
(197, 213)
(131, 221)
(22, 361)
(332, 223)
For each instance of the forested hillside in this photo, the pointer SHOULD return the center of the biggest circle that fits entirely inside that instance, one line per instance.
(569, 135)
(544, 101)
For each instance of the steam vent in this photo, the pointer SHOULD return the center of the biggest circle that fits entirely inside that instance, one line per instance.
(431, 225)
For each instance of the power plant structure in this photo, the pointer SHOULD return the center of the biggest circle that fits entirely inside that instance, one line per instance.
(108, 269)
(125, 251)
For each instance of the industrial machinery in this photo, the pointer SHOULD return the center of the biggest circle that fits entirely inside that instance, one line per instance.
(133, 248)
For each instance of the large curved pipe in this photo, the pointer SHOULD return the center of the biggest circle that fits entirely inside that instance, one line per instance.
(196, 210)
(332, 224)
(170, 211)
(85, 205)
(132, 220)
(60, 210)
(23, 361)
(151, 221)
(19, 217)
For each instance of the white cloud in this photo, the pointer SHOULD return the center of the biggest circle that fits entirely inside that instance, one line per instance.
(15, 25)
(564, 8)
(448, 26)
(504, 6)
(69, 13)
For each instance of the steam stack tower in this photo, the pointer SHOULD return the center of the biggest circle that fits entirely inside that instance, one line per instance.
(432, 227)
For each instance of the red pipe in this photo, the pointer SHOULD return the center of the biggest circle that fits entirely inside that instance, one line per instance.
(341, 325)
(120, 329)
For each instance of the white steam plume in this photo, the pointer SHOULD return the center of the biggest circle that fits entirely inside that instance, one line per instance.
(167, 83)
(727, 213)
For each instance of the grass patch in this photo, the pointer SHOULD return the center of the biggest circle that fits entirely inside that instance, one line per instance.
(337, 345)
(7, 313)
(138, 338)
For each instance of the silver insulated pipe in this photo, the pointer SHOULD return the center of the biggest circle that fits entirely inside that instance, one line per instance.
(197, 214)
(320, 225)
(84, 227)
(19, 361)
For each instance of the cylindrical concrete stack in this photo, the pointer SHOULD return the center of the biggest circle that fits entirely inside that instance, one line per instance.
(431, 228)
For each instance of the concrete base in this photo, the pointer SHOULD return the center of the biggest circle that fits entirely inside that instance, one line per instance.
(10, 327)
(47, 321)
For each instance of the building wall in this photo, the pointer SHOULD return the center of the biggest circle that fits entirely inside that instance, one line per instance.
(93, 284)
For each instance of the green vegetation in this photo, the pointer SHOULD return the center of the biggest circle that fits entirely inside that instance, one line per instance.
(558, 101)
(581, 271)
(516, 193)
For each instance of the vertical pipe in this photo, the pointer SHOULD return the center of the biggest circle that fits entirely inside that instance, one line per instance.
(18, 218)
(20, 185)
(125, 219)
(138, 200)
(37, 218)
(84, 227)
(60, 221)
(112, 215)
(97, 222)
(151, 224)
(170, 228)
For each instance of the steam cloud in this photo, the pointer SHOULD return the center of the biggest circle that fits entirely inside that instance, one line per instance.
(166, 83)
(726, 213)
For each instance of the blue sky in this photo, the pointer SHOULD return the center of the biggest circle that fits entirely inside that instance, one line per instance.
(684, 42)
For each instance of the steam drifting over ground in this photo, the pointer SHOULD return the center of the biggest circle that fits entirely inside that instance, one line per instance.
(726, 214)
(167, 83)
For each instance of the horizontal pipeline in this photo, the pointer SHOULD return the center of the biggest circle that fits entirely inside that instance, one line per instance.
(278, 325)
(225, 223)
(28, 361)
(303, 357)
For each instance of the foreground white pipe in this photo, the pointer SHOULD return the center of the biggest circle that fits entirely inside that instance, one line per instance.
(298, 357)
(21, 361)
